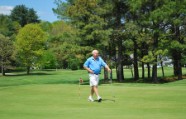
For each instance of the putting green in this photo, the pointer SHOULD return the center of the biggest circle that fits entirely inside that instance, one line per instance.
(62, 101)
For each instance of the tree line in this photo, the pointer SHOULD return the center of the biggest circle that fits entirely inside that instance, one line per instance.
(147, 29)
(126, 32)
(27, 42)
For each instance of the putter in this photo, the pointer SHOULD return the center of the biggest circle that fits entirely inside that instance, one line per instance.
(111, 85)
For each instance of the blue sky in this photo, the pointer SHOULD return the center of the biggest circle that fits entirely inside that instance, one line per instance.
(42, 7)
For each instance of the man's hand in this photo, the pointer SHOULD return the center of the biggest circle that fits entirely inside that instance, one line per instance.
(108, 69)
(89, 70)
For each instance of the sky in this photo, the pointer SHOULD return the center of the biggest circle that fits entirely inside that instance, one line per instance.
(42, 7)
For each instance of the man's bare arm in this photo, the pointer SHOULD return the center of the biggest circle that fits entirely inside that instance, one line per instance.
(108, 69)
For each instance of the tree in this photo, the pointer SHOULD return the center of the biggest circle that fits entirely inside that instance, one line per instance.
(132, 32)
(88, 21)
(150, 15)
(64, 43)
(24, 15)
(8, 27)
(6, 50)
(176, 30)
(150, 27)
(48, 60)
(116, 22)
(32, 16)
(4, 22)
(30, 44)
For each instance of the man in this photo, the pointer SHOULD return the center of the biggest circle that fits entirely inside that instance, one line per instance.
(93, 65)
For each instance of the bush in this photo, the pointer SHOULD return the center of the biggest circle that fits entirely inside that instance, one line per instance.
(74, 64)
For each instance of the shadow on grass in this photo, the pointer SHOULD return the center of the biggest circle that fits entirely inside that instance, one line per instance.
(161, 80)
(131, 80)
(105, 100)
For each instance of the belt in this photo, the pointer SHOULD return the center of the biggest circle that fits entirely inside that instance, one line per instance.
(96, 74)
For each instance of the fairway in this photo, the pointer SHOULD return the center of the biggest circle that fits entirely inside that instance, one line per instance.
(59, 100)
(97, 59)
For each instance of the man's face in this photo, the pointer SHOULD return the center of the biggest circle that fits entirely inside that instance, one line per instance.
(96, 54)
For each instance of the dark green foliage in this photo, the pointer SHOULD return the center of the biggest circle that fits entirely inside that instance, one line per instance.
(74, 64)
(8, 27)
(24, 15)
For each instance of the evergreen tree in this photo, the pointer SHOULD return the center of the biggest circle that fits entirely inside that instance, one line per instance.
(24, 15)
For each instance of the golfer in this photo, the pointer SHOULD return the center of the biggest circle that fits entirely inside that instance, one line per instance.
(93, 65)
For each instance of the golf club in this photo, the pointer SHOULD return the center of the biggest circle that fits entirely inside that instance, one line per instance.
(79, 91)
(112, 86)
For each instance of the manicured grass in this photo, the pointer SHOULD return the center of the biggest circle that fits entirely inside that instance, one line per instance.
(56, 95)
(62, 101)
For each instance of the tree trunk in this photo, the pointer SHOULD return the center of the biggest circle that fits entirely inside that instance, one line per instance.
(143, 71)
(28, 70)
(154, 73)
(2, 70)
(162, 68)
(136, 72)
(2, 67)
(154, 69)
(118, 15)
(177, 65)
(143, 52)
(120, 75)
(179, 70)
(132, 72)
(177, 54)
(148, 67)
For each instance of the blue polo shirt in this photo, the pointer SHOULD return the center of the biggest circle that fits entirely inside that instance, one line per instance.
(95, 64)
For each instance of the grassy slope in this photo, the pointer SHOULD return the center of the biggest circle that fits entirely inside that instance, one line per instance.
(57, 101)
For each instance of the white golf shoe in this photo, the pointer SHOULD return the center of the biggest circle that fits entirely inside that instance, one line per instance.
(90, 99)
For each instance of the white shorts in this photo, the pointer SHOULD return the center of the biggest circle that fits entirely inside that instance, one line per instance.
(93, 79)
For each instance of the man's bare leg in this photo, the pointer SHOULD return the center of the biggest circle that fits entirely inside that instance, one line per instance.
(92, 91)
(91, 95)
(95, 89)
(97, 94)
